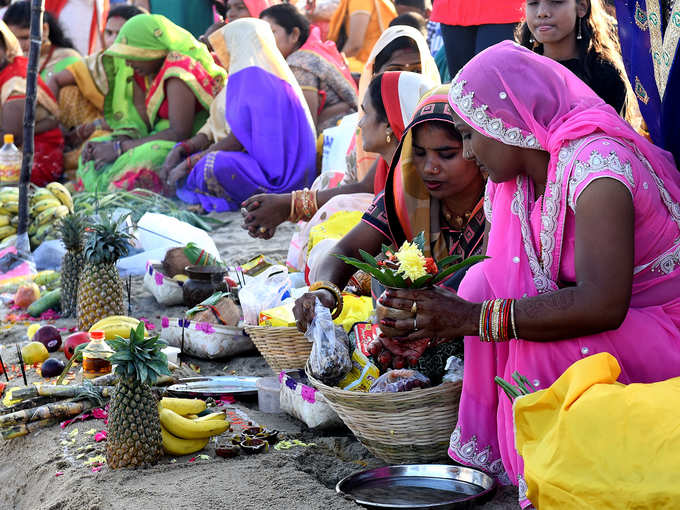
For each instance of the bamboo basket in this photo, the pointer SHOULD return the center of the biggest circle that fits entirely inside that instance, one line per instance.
(283, 348)
(413, 427)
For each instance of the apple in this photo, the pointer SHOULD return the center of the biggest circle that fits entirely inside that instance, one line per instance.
(73, 341)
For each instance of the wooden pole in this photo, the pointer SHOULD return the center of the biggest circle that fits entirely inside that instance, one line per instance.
(37, 8)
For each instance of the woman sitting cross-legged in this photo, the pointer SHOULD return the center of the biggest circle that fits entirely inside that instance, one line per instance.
(270, 137)
(159, 98)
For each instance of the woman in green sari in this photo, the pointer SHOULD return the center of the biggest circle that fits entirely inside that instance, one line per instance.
(164, 81)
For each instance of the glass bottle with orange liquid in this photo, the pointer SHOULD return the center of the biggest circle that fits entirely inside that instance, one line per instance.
(96, 356)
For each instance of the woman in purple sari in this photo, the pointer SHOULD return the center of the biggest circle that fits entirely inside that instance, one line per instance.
(270, 146)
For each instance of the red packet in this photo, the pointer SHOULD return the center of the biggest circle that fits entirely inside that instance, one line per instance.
(364, 334)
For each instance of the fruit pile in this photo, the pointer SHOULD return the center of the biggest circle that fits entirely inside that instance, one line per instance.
(183, 432)
(46, 205)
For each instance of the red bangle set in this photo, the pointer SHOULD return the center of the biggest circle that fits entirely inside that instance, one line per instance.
(495, 320)
(302, 205)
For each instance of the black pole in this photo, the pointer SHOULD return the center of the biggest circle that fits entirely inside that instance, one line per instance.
(37, 7)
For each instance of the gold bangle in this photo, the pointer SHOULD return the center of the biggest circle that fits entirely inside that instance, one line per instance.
(291, 216)
(333, 289)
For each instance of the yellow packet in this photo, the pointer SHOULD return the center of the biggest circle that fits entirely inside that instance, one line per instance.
(362, 375)
(280, 316)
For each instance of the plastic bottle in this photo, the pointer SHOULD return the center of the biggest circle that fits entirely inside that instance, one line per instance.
(96, 356)
(10, 162)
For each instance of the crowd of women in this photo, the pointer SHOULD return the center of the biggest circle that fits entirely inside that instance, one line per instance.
(540, 154)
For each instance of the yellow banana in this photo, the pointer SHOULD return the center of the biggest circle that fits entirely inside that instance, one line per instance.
(3, 210)
(11, 207)
(44, 205)
(41, 194)
(60, 191)
(191, 429)
(53, 213)
(212, 416)
(9, 195)
(116, 325)
(177, 446)
(8, 241)
(42, 233)
(7, 231)
(4, 219)
(184, 406)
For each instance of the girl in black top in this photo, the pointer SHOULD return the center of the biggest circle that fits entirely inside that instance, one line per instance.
(581, 35)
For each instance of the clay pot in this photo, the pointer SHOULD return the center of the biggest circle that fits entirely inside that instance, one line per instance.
(203, 282)
(254, 445)
(271, 436)
(227, 450)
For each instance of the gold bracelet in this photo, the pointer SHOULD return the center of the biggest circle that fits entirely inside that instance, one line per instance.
(495, 320)
(333, 289)
(291, 216)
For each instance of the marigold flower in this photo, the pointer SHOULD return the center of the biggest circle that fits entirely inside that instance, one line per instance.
(411, 261)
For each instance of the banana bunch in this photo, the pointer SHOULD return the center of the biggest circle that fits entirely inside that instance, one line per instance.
(46, 206)
(114, 326)
(182, 431)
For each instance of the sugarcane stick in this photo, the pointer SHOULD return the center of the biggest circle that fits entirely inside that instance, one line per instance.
(28, 146)
(57, 410)
(26, 428)
(48, 390)
(28, 404)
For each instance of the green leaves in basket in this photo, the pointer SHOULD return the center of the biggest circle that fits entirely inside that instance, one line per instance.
(386, 278)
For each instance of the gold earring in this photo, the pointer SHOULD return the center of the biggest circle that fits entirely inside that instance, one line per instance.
(389, 138)
(579, 36)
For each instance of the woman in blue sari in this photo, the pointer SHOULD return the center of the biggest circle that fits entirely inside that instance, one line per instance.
(649, 31)
(270, 146)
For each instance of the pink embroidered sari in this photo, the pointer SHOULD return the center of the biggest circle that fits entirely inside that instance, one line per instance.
(519, 98)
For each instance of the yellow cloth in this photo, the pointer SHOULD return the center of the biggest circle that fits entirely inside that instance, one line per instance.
(381, 12)
(334, 227)
(91, 79)
(589, 442)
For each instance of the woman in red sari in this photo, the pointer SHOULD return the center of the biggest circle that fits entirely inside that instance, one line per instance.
(49, 142)
(321, 71)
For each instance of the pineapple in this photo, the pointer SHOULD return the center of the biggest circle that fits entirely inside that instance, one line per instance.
(72, 229)
(100, 291)
(134, 434)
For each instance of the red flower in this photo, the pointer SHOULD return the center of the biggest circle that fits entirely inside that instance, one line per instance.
(430, 265)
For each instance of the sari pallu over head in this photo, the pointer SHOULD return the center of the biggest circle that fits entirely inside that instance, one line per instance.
(523, 99)
(267, 113)
(428, 70)
(409, 207)
(152, 37)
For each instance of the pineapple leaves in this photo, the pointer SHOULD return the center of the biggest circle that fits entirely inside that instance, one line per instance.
(140, 357)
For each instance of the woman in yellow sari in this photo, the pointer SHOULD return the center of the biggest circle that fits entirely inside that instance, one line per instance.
(159, 98)
(357, 25)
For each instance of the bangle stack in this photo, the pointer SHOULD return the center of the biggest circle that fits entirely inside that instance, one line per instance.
(303, 205)
(333, 289)
(496, 319)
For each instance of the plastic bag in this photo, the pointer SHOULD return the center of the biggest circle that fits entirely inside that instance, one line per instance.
(400, 380)
(454, 370)
(329, 360)
(336, 142)
(267, 290)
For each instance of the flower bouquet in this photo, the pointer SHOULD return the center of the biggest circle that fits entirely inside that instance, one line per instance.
(408, 268)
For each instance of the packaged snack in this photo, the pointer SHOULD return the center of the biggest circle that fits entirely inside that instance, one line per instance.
(280, 316)
(400, 380)
(362, 375)
(364, 333)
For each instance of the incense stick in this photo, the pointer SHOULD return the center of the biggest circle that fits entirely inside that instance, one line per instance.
(21, 362)
(4, 371)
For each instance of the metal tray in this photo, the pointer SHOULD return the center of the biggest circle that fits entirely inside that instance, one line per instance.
(215, 386)
(418, 486)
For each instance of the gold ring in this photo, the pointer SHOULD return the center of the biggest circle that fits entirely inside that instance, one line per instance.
(262, 230)
(414, 308)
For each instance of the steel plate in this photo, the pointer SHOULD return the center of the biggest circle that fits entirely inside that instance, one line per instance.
(215, 386)
(418, 486)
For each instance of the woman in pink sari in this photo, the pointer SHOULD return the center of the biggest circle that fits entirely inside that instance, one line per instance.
(584, 248)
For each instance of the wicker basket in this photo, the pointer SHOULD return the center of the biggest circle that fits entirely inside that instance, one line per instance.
(282, 348)
(413, 427)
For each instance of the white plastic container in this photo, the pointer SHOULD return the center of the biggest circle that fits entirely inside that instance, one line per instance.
(172, 353)
(268, 389)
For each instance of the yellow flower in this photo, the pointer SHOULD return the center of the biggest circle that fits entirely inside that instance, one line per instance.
(411, 261)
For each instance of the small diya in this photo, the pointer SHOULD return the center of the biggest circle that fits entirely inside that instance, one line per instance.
(271, 436)
(253, 445)
(227, 449)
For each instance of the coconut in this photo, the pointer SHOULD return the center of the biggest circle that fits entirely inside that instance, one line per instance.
(174, 262)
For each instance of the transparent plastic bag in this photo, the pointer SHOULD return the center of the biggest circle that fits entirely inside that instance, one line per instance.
(454, 370)
(329, 360)
(265, 291)
(399, 380)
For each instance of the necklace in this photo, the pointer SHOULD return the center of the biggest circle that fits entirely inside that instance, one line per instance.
(456, 221)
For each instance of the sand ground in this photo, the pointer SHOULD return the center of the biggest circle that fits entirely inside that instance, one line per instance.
(45, 470)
